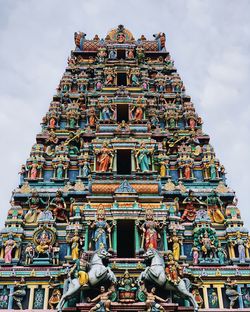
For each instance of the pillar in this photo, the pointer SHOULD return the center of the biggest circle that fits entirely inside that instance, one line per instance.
(10, 303)
(219, 292)
(241, 304)
(165, 241)
(46, 296)
(205, 296)
(137, 240)
(86, 241)
(32, 292)
(114, 237)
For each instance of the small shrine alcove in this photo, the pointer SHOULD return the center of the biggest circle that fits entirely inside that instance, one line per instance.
(123, 161)
(122, 112)
(125, 239)
(121, 54)
(121, 79)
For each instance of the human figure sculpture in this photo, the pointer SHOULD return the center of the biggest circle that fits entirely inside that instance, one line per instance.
(189, 213)
(214, 208)
(58, 206)
(231, 292)
(222, 255)
(44, 247)
(75, 242)
(79, 270)
(196, 285)
(29, 254)
(150, 234)
(19, 293)
(195, 254)
(103, 302)
(177, 242)
(152, 300)
(104, 158)
(9, 245)
(127, 288)
(241, 248)
(207, 246)
(173, 269)
(101, 230)
(143, 158)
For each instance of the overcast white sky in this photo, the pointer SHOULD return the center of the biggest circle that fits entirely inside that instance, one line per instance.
(208, 39)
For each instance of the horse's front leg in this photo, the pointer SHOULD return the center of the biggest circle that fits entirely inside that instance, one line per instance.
(112, 276)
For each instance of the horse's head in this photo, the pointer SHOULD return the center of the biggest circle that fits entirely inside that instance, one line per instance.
(149, 254)
(103, 254)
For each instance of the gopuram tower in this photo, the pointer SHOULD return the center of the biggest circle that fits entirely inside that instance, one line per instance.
(122, 203)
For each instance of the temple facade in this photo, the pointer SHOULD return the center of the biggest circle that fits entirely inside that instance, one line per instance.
(122, 204)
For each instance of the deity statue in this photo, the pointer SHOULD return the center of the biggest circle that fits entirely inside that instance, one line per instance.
(55, 254)
(222, 255)
(207, 246)
(173, 269)
(189, 213)
(104, 158)
(54, 298)
(101, 229)
(84, 166)
(231, 292)
(75, 242)
(34, 202)
(19, 293)
(196, 285)
(112, 54)
(9, 245)
(177, 242)
(195, 254)
(164, 165)
(143, 158)
(4, 298)
(22, 173)
(241, 248)
(79, 270)
(149, 228)
(152, 300)
(58, 206)
(44, 247)
(101, 55)
(107, 112)
(29, 254)
(103, 302)
(92, 118)
(214, 202)
(127, 288)
(136, 112)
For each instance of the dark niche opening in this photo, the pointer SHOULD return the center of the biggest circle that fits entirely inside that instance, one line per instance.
(122, 112)
(121, 79)
(124, 161)
(121, 54)
(125, 239)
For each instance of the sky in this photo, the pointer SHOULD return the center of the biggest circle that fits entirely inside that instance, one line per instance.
(209, 41)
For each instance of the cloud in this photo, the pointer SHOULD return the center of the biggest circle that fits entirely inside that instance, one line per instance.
(209, 41)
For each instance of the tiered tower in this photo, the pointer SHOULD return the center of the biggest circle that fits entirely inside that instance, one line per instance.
(123, 171)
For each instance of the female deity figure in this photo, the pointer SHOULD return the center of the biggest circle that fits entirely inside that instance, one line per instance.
(195, 254)
(44, 246)
(34, 170)
(241, 248)
(136, 112)
(189, 213)
(214, 211)
(92, 116)
(104, 158)
(177, 242)
(143, 158)
(149, 232)
(34, 202)
(84, 166)
(173, 269)
(222, 255)
(10, 245)
(75, 245)
(59, 207)
(101, 230)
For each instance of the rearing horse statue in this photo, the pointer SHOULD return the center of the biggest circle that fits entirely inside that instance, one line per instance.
(155, 273)
(97, 274)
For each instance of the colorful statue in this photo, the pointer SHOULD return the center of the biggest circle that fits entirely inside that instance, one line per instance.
(196, 285)
(195, 254)
(143, 157)
(152, 300)
(104, 158)
(79, 270)
(241, 248)
(29, 254)
(19, 293)
(231, 293)
(189, 213)
(173, 269)
(222, 255)
(58, 206)
(44, 247)
(127, 288)
(75, 245)
(103, 301)
(101, 230)
(208, 248)
(149, 231)
(10, 244)
(176, 247)
(214, 202)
